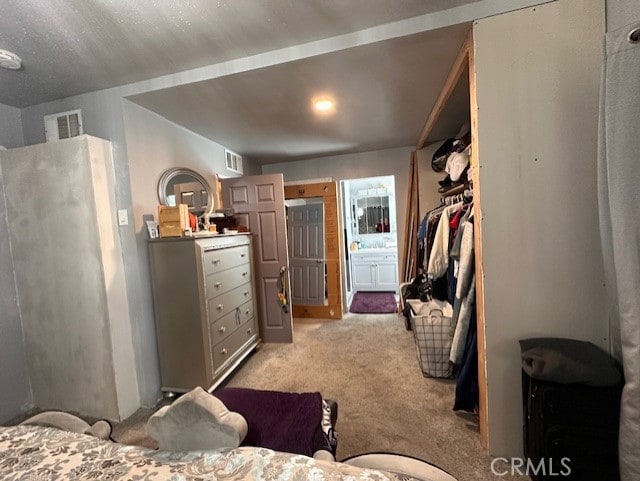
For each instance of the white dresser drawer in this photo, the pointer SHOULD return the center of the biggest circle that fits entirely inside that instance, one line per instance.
(225, 350)
(218, 260)
(225, 303)
(219, 283)
(226, 325)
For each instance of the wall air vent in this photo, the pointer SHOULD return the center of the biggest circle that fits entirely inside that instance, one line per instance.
(63, 125)
(234, 161)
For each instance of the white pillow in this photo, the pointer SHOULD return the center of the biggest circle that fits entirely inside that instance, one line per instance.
(197, 421)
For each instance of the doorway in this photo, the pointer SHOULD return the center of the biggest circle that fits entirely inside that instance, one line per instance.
(370, 231)
(314, 200)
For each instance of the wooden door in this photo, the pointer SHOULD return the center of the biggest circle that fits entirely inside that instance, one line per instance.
(258, 204)
(305, 227)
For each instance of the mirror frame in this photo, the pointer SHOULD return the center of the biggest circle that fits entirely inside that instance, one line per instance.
(169, 174)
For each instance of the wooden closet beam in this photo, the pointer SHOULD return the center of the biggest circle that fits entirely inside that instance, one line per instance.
(483, 412)
(459, 67)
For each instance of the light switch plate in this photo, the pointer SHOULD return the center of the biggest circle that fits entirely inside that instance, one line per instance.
(123, 217)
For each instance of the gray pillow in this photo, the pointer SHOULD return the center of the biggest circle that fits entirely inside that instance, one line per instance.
(567, 361)
(196, 421)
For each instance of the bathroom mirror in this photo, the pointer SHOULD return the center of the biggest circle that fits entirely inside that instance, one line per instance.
(371, 214)
(185, 186)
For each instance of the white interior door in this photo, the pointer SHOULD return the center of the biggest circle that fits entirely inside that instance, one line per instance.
(258, 203)
(306, 253)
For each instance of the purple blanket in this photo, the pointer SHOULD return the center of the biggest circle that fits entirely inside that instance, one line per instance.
(277, 420)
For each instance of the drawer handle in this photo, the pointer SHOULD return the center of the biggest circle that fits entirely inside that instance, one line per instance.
(222, 329)
(249, 331)
(244, 274)
(224, 352)
(247, 312)
(218, 285)
(243, 255)
(215, 261)
(246, 293)
(220, 307)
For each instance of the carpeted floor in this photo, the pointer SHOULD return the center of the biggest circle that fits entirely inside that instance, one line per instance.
(373, 303)
(368, 364)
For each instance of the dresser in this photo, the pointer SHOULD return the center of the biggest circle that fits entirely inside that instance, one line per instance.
(204, 305)
(375, 270)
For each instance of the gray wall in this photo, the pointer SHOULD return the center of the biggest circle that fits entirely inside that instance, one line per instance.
(104, 114)
(354, 166)
(153, 145)
(15, 395)
(621, 13)
(428, 179)
(538, 84)
(10, 127)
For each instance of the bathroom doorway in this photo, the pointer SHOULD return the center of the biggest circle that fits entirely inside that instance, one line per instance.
(370, 232)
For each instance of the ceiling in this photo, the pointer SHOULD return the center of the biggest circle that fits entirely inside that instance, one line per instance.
(384, 90)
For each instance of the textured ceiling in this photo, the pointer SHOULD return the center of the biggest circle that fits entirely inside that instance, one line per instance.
(384, 93)
(74, 46)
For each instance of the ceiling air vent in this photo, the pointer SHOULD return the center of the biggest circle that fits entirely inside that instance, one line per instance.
(63, 125)
(234, 161)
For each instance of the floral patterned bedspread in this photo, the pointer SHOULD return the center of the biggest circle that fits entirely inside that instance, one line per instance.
(37, 453)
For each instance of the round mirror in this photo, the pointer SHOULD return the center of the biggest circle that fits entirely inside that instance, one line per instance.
(185, 186)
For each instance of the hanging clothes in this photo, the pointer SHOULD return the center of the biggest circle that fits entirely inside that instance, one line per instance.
(465, 294)
(439, 258)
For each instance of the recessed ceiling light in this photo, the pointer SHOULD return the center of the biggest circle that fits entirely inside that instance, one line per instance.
(324, 105)
(9, 60)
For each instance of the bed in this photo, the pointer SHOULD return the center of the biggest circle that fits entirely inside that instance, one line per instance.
(43, 453)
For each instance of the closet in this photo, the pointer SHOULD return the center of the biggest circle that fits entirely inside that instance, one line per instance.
(456, 103)
(534, 85)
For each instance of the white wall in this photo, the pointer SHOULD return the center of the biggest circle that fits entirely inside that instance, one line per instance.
(621, 13)
(10, 127)
(15, 395)
(538, 75)
(69, 277)
(354, 166)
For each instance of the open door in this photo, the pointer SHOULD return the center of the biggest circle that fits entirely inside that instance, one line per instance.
(258, 203)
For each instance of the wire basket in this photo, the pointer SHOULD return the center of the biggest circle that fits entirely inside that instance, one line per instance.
(431, 324)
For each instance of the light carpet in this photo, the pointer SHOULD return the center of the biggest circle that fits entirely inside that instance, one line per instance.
(368, 364)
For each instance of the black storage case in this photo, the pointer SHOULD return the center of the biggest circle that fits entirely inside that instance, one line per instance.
(572, 421)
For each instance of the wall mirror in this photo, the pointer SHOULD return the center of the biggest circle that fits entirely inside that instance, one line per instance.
(372, 214)
(185, 186)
